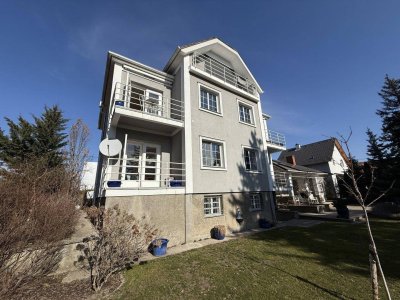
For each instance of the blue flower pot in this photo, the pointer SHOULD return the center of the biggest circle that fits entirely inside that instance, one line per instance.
(216, 234)
(159, 250)
(114, 183)
(264, 223)
(119, 103)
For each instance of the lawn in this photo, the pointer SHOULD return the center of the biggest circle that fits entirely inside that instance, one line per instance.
(328, 261)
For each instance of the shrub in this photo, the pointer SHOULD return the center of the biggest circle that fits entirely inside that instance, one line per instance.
(120, 242)
(37, 211)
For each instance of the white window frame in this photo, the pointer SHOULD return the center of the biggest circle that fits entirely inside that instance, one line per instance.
(159, 101)
(212, 214)
(219, 100)
(223, 166)
(255, 206)
(252, 114)
(258, 157)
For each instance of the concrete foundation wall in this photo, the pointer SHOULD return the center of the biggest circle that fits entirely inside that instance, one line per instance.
(166, 213)
(180, 218)
(230, 203)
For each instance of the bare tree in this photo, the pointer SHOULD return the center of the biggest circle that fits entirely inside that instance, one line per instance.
(353, 189)
(77, 154)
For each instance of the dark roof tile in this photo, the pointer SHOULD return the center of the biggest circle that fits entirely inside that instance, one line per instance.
(311, 154)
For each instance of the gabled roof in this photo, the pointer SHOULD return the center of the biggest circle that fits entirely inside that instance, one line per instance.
(281, 166)
(314, 153)
(215, 45)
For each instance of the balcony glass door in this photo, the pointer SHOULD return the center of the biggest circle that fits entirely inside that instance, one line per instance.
(151, 166)
(132, 164)
(136, 98)
(142, 165)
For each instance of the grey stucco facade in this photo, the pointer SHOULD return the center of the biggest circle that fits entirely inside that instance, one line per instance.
(171, 185)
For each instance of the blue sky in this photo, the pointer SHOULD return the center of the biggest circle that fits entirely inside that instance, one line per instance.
(320, 63)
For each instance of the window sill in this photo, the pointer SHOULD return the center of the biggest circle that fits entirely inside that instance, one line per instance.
(211, 112)
(254, 172)
(213, 216)
(255, 209)
(212, 169)
(248, 124)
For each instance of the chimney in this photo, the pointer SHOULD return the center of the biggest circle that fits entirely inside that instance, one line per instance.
(298, 146)
(291, 159)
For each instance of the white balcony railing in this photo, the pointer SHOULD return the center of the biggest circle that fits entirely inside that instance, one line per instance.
(137, 173)
(147, 102)
(217, 69)
(276, 138)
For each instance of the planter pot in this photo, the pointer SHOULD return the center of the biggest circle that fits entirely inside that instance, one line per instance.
(342, 212)
(159, 250)
(216, 234)
(119, 103)
(114, 183)
(264, 223)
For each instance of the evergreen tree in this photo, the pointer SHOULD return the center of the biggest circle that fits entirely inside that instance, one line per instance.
(375, 149)
(390, 114)
(384, 151)
(43, 139)
(49, 135)
(17, 147)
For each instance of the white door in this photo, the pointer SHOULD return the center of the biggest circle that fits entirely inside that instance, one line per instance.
(142, 165)
(151, 166)
(132, 164)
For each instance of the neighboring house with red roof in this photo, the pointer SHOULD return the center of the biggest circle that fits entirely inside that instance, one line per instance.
(327, 156)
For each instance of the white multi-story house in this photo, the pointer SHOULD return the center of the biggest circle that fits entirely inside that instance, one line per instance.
(195, 142)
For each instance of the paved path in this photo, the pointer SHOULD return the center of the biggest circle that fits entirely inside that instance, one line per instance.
(355, 214)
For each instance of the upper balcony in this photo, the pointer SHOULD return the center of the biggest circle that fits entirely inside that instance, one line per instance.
(147, 109)
(217, 69)
(275, 141)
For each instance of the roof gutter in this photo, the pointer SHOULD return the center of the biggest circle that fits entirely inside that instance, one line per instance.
(174, 55)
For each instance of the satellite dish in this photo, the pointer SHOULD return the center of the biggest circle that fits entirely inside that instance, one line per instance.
(110, 147)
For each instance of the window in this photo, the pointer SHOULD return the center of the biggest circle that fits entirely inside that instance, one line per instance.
(246, 114)
(212, 205)
(212, 154)
(250, 159)
(255, 202)
(209, 100)
(153, 102)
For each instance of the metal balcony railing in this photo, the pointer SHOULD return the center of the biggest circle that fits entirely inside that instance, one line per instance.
(136, 173)
(276, 138)
(147, 102)
(219, 70)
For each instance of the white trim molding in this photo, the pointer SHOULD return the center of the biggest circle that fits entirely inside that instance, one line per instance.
(185, 89)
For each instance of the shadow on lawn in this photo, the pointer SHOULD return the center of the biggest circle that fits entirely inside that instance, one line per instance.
(343, 247)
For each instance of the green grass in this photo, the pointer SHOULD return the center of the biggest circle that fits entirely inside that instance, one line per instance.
(328, 261)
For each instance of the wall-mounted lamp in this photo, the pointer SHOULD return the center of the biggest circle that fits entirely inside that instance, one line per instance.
(239, 217)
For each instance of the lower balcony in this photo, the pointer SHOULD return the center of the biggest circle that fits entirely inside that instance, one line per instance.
(143, 108)
(138, 176)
